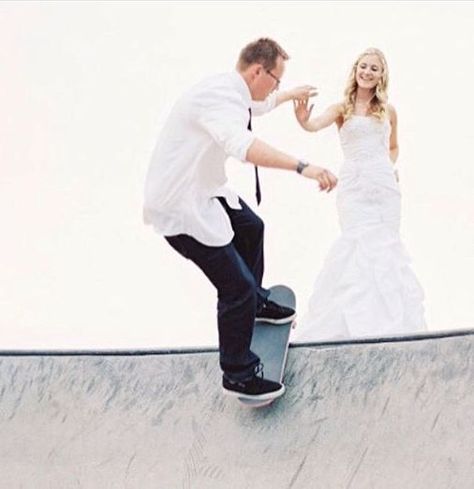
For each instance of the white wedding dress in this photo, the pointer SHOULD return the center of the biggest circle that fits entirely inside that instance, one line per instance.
(366, 286)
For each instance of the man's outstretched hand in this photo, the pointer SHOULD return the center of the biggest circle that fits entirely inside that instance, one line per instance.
(327, 181)
(303, 92)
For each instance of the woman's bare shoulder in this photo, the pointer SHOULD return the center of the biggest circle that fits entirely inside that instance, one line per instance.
(338, 108)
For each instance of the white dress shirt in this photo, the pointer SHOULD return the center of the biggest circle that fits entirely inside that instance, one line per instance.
(187, 170)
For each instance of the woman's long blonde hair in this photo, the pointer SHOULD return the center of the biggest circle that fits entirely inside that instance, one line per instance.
(378, 104)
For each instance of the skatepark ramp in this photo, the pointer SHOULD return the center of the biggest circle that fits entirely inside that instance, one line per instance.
(370, 414)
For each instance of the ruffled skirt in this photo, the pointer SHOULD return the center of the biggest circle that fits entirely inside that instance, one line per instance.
(366, 286)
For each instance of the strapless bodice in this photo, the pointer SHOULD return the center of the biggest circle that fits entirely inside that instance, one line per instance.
(365, 139)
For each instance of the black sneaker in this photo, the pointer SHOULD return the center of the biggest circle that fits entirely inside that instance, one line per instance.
(255, 388)
(271, 312)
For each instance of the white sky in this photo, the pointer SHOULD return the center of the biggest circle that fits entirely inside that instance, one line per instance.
(85, 89)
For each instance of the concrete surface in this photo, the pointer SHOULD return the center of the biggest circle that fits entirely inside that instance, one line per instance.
(362, 415)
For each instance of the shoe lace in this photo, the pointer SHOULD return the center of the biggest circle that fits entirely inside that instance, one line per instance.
(275, 306)
(259, 370)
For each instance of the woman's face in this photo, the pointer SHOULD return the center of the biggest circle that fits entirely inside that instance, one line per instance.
(368, 71)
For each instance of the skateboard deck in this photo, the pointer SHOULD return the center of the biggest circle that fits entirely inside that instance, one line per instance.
(270, 342)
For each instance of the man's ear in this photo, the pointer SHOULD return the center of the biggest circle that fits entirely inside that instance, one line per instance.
(258, 70)
(255, 71)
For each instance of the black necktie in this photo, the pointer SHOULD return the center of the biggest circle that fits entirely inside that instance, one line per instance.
(258, 194)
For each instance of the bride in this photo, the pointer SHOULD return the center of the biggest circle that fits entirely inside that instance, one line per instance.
(366, 286)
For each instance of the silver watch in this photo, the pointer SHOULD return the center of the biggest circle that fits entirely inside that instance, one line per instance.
(301, 166)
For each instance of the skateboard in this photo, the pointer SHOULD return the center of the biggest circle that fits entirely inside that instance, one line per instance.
(270, 342)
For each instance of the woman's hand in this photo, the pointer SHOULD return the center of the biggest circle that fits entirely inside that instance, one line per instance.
(302, 112)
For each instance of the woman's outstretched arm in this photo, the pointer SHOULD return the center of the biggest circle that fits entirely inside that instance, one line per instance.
(328, 117)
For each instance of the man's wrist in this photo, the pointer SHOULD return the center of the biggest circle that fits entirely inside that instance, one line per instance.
(302, 164)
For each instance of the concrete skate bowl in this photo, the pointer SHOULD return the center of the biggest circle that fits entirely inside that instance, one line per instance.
(392, 413)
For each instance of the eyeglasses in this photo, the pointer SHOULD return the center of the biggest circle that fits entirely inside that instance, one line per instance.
(274, 77)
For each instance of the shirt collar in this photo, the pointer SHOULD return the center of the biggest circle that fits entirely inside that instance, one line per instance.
(242, 87)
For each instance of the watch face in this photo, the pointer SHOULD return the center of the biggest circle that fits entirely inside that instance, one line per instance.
(301, 166)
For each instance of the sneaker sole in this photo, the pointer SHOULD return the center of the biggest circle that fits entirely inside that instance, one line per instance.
(254, 404)
(289, 319)
(268, 396)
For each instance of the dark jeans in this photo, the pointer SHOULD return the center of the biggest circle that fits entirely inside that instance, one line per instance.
(236, 270)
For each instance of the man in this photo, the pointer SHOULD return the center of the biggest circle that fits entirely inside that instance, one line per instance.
(186, 200)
